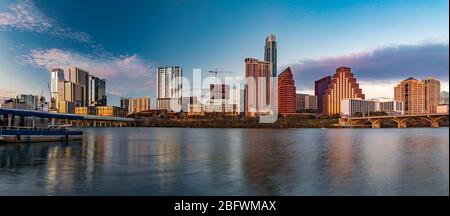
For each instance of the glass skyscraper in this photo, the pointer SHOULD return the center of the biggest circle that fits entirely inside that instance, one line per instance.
(270, 53)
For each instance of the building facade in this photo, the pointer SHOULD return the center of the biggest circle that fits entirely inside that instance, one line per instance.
(169, 88)
(81, 77)
(270, 53)
(320, 88)
(257, 87)
(97, 91)
(110, 111)
(57, 78)
(342, 85)
(287, 101)
(139, 104)
(306, 102)
(356, 107)
(444, 97)
(420, 97)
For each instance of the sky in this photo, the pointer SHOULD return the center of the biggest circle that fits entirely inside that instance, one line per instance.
(124, 42)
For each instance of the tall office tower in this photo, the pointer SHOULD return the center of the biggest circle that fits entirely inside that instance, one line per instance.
(432, 94)
(57, 76)
(343, 85)
(81, 77)
(74, 92)
(169, 88)
(420, 97)
(320, 87)
(444, 97)
(270, 53)
(258, 76)
(125, 103)
(139, 104)
(97, 91)
(287, 103)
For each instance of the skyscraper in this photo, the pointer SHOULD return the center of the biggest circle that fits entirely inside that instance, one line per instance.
(57, 76)
(139, 104)
(432, 94)
(286, 92)
(81, 77)
(320, 87)
(342, 85)
(420, 97)
(270, 53)
(169, 88)
(97, 91)
(257, 88)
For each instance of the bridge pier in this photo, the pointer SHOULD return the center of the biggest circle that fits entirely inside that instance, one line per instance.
(435, 124)
(376, 123)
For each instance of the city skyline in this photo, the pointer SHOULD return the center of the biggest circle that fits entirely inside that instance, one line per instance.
(38, 35)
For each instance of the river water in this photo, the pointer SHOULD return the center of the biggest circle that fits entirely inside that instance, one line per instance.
(185, 161)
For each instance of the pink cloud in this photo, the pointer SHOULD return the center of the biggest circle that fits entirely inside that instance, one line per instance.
(124, 75)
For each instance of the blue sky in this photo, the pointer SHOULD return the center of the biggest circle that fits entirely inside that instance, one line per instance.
(124, 41)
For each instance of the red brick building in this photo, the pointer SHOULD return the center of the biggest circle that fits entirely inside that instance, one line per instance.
(287, 102)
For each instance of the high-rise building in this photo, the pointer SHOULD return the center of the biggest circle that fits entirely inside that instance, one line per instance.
(81, 77)
(342, 85)
(125, 103)
(97, 91)
(287, 101)
(187, 103)
(270, 53)
(139, 104)
(320, 87)
(420, 97)
(57, 77)
(258, 76)
(169, 81)
(432, 94)
(444, 97)
(306, 102)
(74, 92)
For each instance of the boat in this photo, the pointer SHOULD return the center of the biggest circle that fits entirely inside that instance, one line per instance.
(21, 126)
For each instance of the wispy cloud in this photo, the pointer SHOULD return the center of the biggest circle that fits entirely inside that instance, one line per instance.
(125, 74)
(6, 93)
(380, 66)
(26, 16)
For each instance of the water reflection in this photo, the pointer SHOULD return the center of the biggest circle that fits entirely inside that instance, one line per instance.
(180, 161)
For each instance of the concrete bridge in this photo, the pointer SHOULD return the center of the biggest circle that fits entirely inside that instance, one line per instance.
(400, 120)
(31, 118)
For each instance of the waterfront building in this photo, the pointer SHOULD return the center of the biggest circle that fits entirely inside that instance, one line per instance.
(66, 106)
(306, 102)
(97, 91)
(270, 53)
(80, 77)
(57, 77)
(110, 111)
(257, 87)
(32, 100)
(186, 103)
(125, 103)
(444, 97)
(320, 87)
(342, 85)
(139, 104)
(169, 88)
(15, 103)
(355, 107)
(74, 92)
(89, 110)
(287, 103)
(420, 97)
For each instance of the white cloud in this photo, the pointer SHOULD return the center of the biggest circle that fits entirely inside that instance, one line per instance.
(125, 75)
(26, 16)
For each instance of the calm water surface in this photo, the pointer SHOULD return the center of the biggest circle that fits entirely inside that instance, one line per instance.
(183, 161)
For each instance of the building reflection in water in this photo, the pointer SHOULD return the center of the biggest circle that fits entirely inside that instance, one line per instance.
(168, 155)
